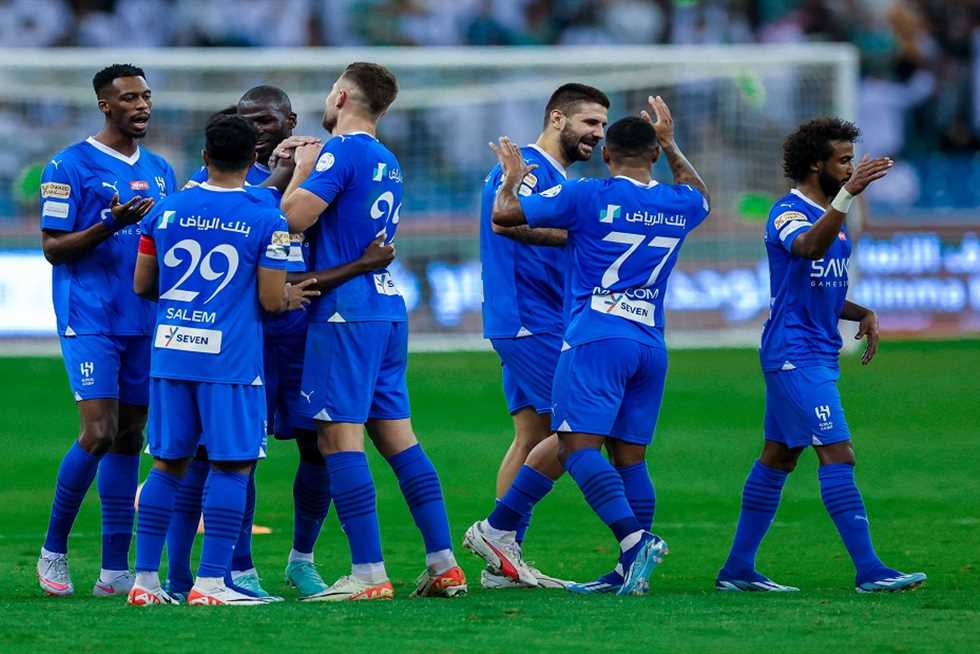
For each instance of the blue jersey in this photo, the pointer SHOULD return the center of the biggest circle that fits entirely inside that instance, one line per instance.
(257, 174)
(209, 243)
(93, 294)
(806, 297)
(523, 285)
(360, 180)
(623, 241)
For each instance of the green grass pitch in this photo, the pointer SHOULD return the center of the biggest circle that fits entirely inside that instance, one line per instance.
(915, 419)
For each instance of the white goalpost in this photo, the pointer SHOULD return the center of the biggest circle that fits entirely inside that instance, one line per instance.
(734, 105)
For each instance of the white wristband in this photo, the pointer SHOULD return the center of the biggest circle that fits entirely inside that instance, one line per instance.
(843, 201)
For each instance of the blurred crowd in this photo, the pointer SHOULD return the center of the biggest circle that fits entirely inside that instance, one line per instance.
(920, 88)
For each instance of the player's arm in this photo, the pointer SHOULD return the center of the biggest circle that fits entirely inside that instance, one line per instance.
(276, 294)
(507, 211)
(814, 243)
(867, 326)
(302, 208)
(146, 280)
(282, 163)
(533, 236)
(681, 169)
(376, 256)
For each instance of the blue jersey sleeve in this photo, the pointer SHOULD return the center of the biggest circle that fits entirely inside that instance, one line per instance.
(171, 179)
(557, 206)
(61, 195)
(785, 224)
(692, 203)
(333, 171)
(275, 243)
(200, 176)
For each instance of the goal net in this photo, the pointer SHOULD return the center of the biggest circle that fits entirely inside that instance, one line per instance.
(733, 107)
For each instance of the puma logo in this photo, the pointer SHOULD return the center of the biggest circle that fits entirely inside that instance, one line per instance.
(307, 396)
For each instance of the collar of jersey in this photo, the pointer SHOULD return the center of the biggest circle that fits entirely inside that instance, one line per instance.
(219, 189)
(560, 168)
(264, 169)
(105, 149)
(367, 134)
(652, 183)
(798, 193)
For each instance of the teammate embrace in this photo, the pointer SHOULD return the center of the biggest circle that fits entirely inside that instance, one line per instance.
(575, 277)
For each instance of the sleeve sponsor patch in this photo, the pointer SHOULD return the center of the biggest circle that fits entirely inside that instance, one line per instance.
(277, 252)
(788, 217)
(325, 162)
(280, 238)
(54, 209)
(55, 190)
(551, 192)
(531, 179)
(525, 190)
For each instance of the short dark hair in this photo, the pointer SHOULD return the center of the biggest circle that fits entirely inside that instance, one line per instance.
(229, 142)
(265, 93)
(105, 76)
(376, 82)
(631, 138)
(227, 111)
(810, 144)
(567, 96)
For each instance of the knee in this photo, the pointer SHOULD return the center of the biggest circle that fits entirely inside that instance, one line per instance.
(129, 441)
(309, 450)
(98, 434)
(565, 450)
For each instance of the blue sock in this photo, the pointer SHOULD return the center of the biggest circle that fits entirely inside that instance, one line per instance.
(843, 502)
(639, 492)
(156, 505)
(603, 489)
(760, 499)
(74, 477)
(513, 510)
(522, 527)
(242, 557)
(420, 486)
(183, 526)
(311, 502)
(224, 507)
(118, 479)
(354, 496)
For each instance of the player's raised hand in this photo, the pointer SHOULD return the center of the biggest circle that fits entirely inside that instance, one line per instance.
(664, 123)
(283, 154)
(867, 171)
(511, 161)
(131, 212)
(297, 296)
(868, 327)
(305, 155)
(377, 255)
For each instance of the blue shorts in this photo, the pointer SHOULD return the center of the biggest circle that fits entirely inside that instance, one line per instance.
(613, 387)
(803, 407)
(228, 419)
(108, 367)
(283, 358)
(354, 371)
(528, 369)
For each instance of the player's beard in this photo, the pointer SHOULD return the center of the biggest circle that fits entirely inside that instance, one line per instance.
(569, 142)
(829, 184)
(329, 122)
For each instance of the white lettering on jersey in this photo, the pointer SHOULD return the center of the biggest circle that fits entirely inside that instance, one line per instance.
(55, 209)
(618, 304)
(188, 339)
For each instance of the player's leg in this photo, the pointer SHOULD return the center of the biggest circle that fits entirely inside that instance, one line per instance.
(233, 420)
(173, 433)
(612, 388)
(838, 488)
(391, 432)
(242, 566)
(311, 502)
(184, 524)
(630, 462)
(785, 440)
(92, 364)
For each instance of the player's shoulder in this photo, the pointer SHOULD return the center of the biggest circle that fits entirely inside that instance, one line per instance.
(72, 157)
(788, 208)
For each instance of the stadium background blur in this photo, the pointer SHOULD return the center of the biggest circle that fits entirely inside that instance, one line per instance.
(916, 96)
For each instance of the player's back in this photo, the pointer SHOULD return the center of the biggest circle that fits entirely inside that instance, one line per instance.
(523, 284)
(624, 238)
(361, 181)
(93, 293)
(257, 173)
(806, 297)
(209, 243)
